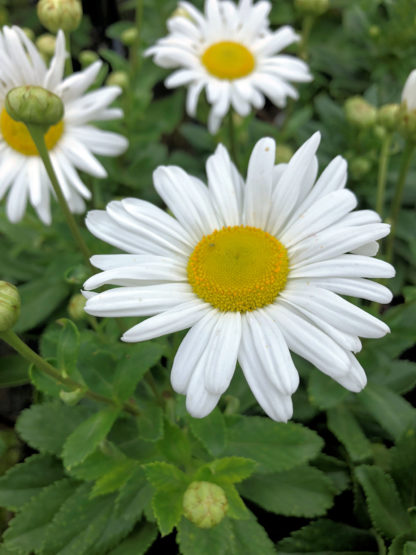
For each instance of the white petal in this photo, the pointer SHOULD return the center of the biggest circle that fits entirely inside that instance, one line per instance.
(76, 84)
(101, 142)
(346, 265)
(17, 198)
(199, 402)
(55, 72)
(358, 287)
(369, 249)
(79, 155)
(409, 91)
(355, 379)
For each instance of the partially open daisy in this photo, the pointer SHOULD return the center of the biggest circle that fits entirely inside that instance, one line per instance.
(254, 269)
(230, 51)
(72, 142)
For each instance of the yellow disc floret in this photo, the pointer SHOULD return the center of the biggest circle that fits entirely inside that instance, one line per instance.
(18, 137)
(238, 269)
(228, 60)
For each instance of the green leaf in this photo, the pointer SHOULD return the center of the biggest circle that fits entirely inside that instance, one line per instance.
(85, 438)
(403, 464)
(115, 479)
(68, 348)
(167, 506)
(175, 445)
(303, 491)
(210, 431)
(323, 392)
(397, 546)
(134, 496)
(198, 541)
(410, 548)
(390, 410)
(275, 446)
(162, 475)
(26, 531)
(384, 506)
(325, 536)
(37, 425)
(14, 371)
(236, 506)
(231, 469)
(43, 382)
(251, 538)
(150, 423)
(345, 427)
(138, 542)
(27, 479)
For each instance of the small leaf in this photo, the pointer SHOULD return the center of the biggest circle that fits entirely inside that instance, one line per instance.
(251, 538)
(150, 422)
(134, 496)
(43, 382)
(403, 464)
(167, 506)
(138, 542)
(199, 541)
(231, 469)
(162, 475)
(115, 479)
(236, 506)
(175, 445)
(210, 431)
(345, 427)
(68, 348)
(85, 438)
(384, 506)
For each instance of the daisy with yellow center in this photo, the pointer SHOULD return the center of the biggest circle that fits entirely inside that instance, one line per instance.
(72, 142)
(254, 268)
(230, 52)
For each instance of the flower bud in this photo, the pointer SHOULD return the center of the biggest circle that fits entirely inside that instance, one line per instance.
(60, 14)
(312, 7)
(46, 44)
(34, 105)
(359, 112)
(283, 153)
(204, 504)
(29, 33)
(409, 91)
(76, 307)
(359, 167)
(9, 305)
(407, 124)
(374, 31)
(388, 116)
(129, 36)
(87, 57)
(118, 78)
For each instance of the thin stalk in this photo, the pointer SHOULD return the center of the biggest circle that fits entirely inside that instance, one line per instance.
(31, 356)
(134, 50)
(307, 24)
(231, 137)
(68, 60)
(38, 136)
(398, 197)
(382, 173)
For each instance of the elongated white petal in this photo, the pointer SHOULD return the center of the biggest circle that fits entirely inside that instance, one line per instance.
(346, 265)
(258, 191)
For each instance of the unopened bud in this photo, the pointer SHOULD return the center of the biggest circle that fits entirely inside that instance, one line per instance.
(407, 124)
(359, 167)
(29, 33)
(60, 14)
(359, 112)
(374, 31)
(46, 44)
(87, 57)
(312, 7)
(388, 116)
(9, 305)
(118, 78)
(129, 36)
(204, 504)
(379, 132)
(76, 307)
(34, 106)
(283, 154)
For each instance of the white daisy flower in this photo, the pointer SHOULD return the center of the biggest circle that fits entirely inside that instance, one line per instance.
(72, 143)
(230, 51)
(254, 268)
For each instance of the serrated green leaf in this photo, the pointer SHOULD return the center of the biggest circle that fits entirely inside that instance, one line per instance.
(345, 427)
(323, 392)
(210, 431)
(115, 479)
(303, 491)
(275, 446)
(162, 475)
(14, 371)
(26, 531)
(236, 506)
(198, 541)
(85, 438)
(100, 462)
(403, 464)
(150, 422)
(25, 480)
(134, 496)
(43, 382)
(167, 506)
(384, 506)
(68, 347)
(231, 469)
(37, 425)
(251, 538)
(326, 536)
(397, 546)
(138, 542)
(175, 445)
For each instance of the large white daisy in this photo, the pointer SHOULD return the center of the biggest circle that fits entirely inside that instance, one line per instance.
(230, 51)
(72, 143)
(254, 268)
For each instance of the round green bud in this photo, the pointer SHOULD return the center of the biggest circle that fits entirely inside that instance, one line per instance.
(359, 167)
(118, 78)
(87, 57)
(407, 124)
(4, 16)
(283, 153)
(312, 7)
(374, 31)
(388, 116)
(359, 112)
(9, 305)
(76, 307)
(29, 33)
(379, 132)
(129, 36)
(46, 44)
(204, 504)
(34, 105)
(60, 14)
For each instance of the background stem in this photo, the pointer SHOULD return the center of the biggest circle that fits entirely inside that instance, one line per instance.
(382, 173)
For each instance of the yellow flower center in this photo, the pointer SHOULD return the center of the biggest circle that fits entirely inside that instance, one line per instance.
(18, 137)
(228, 60)
(238, 268)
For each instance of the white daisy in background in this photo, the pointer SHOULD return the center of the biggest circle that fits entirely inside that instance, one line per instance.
(409, 91)
(72, 143)
(254, 268)
(230, 51)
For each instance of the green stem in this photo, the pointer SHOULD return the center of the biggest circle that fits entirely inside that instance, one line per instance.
(27, 353)
(38, 136)
(307, 24)
(134, 50)
(382, 173)
(231, 137)
(398, 196)
(68, 60)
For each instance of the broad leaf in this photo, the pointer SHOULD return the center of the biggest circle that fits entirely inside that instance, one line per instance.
(343, 424)
(167, 506)
(68, 348)
(138, 542)
(175, 445)
(162, 475)
(250, 538)
(210, 431)
(116, 478)
(198, 541)
(231, 469)
(403, 465)
(134, 496)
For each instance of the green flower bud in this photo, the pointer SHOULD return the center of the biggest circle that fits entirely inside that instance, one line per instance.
(118, 78)
(379, 132)
(76, 307)
(374, 31)
(29, 33)
(312, 7)
(34, 105)
(359, 112)
(283, 153)
(407, 124)
(129, 36)
(87, 57)
(60, 14)
(204, 504)
(4, 16)
(388, 116)
(46, 44)
(9, 305)
(359, 167)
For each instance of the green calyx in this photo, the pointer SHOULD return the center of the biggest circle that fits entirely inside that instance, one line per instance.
(60, 14)
(34, 105)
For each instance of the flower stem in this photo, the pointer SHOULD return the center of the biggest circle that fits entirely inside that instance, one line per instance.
(231, 137)
(307, 24)
(27, 353)
(68, 59)
(398, 196)
(134, 49)
(382, 173)
(38, 136)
